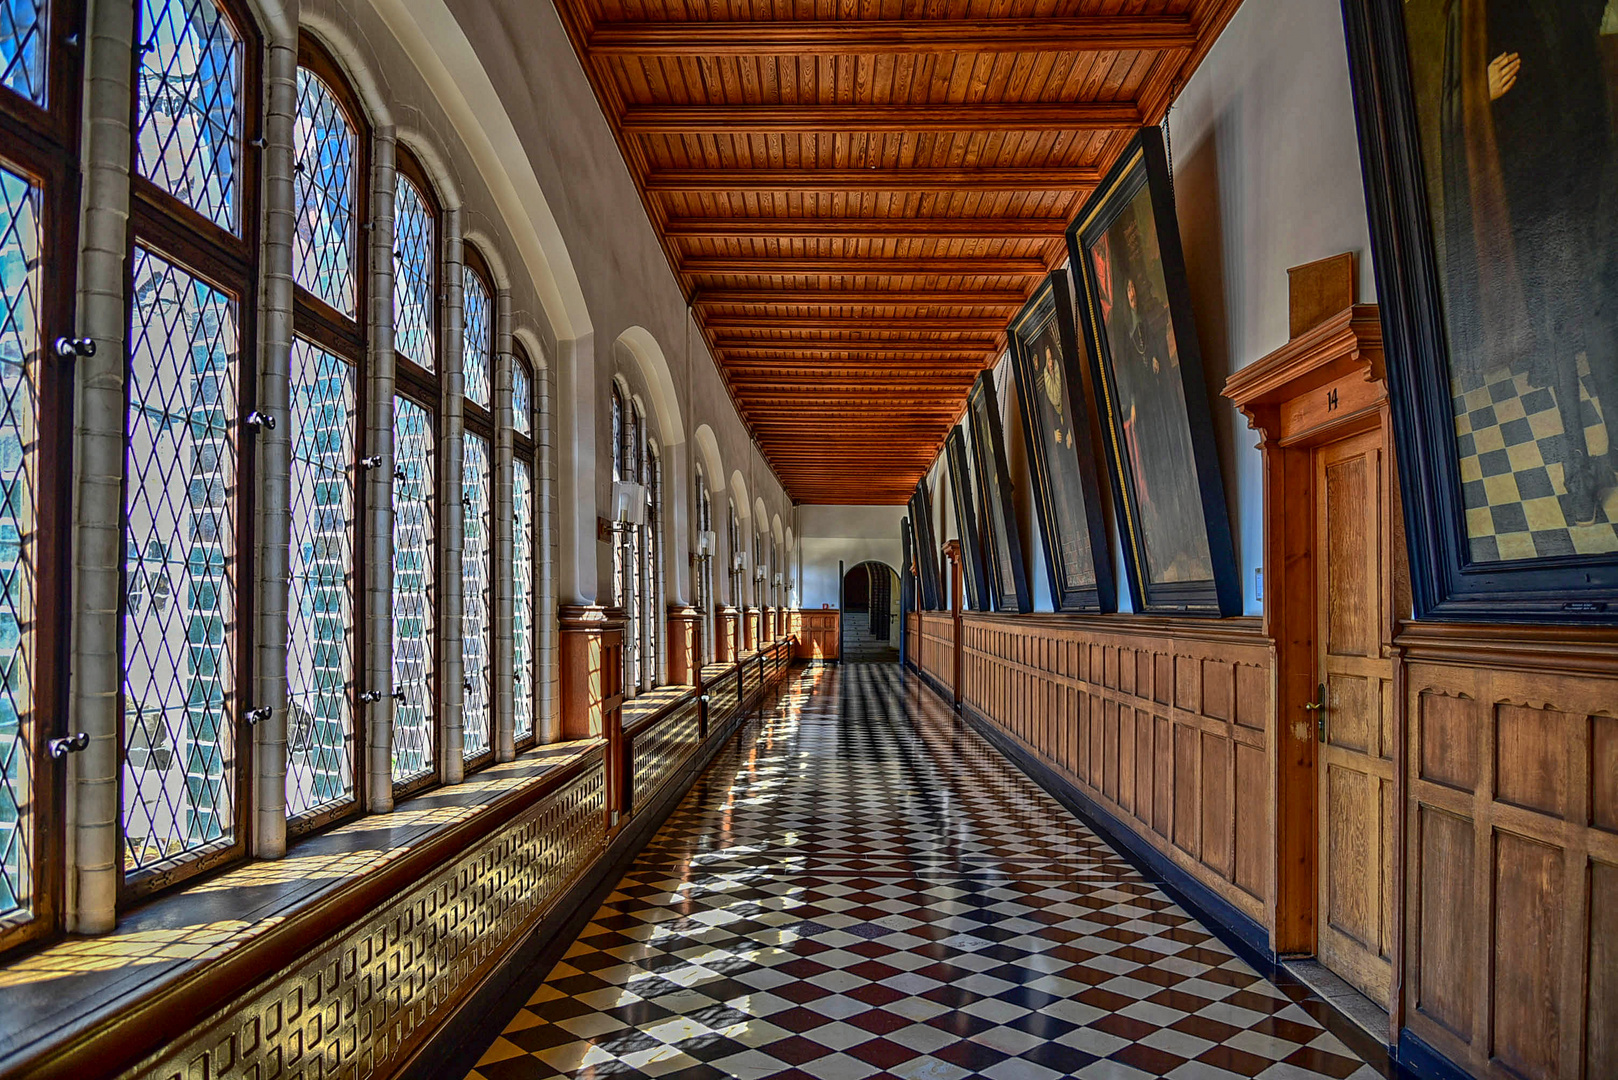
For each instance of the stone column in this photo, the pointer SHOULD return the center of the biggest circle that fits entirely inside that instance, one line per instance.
(725, 641)
(504, 720)
(377, 489)
(452, 511)
(685, 646)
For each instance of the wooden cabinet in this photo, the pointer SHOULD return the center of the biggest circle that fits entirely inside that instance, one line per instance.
(818, 634)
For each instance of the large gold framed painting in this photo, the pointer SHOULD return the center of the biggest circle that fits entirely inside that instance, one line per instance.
(1489, 137)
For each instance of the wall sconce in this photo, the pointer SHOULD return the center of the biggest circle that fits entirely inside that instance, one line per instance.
(628, 503)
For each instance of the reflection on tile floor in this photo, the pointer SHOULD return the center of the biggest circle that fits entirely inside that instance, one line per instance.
(859, 887)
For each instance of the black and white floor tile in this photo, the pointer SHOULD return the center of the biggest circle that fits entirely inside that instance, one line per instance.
(859, 887)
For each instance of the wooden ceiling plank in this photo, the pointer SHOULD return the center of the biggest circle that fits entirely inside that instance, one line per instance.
(814, 119)
(865, 267)
(860, 297)
(1079, 179)
(810, 228)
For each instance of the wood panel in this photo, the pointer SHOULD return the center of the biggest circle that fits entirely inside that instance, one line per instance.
(1165, 723)
(818, 633)
(1512, 952)
(936, 649)
(820, 180)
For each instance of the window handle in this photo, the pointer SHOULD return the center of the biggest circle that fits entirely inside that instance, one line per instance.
(61, 748)
(256, 419)
(69, 347)
(259, 715)
(372, 462)
(398, 695)
(370, 697)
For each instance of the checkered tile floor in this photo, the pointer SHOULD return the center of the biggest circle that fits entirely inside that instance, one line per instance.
(1512, 444)
(860, 886)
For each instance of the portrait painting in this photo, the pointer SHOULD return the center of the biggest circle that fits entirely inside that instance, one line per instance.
(1491, 160)
(966, 524)
(1148, 373)
(921, 519)
(1002, 540)
(1056, 430)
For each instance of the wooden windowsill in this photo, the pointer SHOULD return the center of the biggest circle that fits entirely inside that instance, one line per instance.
(207, 942)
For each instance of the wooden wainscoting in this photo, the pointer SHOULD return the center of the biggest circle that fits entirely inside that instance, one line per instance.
(1511, 833)
(912, 642)
(818, 632)
(1165, 724)
(936, 649)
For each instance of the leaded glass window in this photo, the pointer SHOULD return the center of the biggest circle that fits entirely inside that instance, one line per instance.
(320, 646)
(476, 599)
(478, 336)
(180, 567)
(325, 180)
(19, 418)
(415, 271)
(22, 53)
(188, 138)
(522, 400)
(522, 608)
(414, 569)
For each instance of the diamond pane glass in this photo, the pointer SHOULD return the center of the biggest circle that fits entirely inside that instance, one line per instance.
(522, 400)
(180, 567)
(522, 607)
(478, 316)
(189, 126)
(320, 647)
(476, 602)
(323, 144)
(19, 358)
(414, 566)
(414, 260)
(22, 51)
(650, 560)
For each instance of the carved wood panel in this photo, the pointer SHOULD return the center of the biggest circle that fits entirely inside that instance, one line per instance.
(1512, 953)
(937, 646)
(358, 1006)
(817, 633)
(1165, 723)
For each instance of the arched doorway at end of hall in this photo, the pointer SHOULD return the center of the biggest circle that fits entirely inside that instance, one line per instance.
(871, 613)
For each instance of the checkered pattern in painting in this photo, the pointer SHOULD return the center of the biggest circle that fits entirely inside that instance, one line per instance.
(859, 887)
(1512, 444)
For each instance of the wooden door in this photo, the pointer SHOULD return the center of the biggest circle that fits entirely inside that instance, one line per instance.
(1354, 765)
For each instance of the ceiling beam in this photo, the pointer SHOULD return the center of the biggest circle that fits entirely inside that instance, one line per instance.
(788, 265)
(946, 323)
(888, 36)
(988, 228)
(917, 351)
(813, 119)
(725, 181)
(861, 297)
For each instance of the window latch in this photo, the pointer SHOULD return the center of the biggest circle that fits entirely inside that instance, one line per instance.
(370, 697)
(259, 715)
(256, 419)
(71, 744)
(372, 462)
(69, 347)
(398, 695)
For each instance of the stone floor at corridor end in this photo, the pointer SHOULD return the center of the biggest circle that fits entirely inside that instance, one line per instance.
(860, 886)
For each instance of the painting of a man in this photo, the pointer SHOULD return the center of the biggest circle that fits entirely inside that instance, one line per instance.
(1053, 409)
(1150, 398)
(1515, 103)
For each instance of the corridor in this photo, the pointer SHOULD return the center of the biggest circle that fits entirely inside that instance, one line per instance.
(860, 886)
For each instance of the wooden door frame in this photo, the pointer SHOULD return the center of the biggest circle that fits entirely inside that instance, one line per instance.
(1326, 384)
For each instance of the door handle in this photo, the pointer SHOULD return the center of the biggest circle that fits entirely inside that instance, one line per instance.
(1318, 707)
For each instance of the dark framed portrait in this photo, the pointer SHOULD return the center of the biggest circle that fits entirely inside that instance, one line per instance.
(1006, 575)
(1135, 310)
(966, 524)
(921, 523)
(907, 570)
(1056, 428)
(1489, 143)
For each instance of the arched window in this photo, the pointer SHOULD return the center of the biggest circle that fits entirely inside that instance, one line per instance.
(329, 140)
(477, 502)
(705, 600)
(416, 300)
(622, 457)
(651, 552)
(190, 386)
(39, 124)
(524, 644)
(733, 551)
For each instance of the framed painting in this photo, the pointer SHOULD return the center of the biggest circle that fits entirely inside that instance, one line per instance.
(921, 523)
(960, 481)
(1061, 456)
(907, 570)
(1135, 310)
(1006, 575)
(1489, 144)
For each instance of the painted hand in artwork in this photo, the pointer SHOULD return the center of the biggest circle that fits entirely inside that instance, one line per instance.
(1503, 74)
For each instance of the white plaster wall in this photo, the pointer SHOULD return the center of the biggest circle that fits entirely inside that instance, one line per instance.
(852, 534)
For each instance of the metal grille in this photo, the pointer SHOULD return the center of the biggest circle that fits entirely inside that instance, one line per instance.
(188, 138)
(476, 607)
(22, 50)
(320, 647)
(180, 568)
(522, 400)
(323, 142)
(19, 357)
(478, 314)
(414, 568)
(522, 608)
(414, 260)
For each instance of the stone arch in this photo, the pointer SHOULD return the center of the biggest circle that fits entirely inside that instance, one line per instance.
(351, 61)
(713, 466)
(639, 343)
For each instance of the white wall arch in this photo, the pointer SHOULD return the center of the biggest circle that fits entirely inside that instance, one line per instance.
(713, 466)
(761, 515)
(488, 246)
(738, 488)
(434, 41)
(654, 370)
(351, 61)
(426, 150)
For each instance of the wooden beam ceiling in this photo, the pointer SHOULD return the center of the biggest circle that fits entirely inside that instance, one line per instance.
(856, 207)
